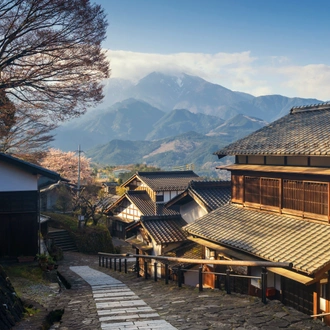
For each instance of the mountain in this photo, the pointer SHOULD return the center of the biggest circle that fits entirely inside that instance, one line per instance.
(238, 126)
(168, 92)
(161, 106)
(190, 147)
(128, 120)
(269, 107)
(181, 121)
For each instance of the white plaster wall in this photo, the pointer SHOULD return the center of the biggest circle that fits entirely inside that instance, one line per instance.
(191, 211)
(131, 213)
(15, 179)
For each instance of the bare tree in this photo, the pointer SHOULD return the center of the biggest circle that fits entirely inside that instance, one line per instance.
(24, 134)
(51, 61)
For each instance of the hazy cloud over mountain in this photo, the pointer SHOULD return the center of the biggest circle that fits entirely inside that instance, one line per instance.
(237, 71)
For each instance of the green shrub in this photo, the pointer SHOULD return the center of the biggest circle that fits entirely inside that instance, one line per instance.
(90, 239)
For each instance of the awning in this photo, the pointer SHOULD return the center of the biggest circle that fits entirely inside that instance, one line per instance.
(228, 252)
(241, 256)
(138, 244)
(292, 275)
(281, 169)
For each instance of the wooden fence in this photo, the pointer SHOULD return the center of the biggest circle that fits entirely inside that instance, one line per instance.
(119, 262)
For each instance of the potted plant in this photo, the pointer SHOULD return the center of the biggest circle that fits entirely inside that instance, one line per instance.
(50, 263)
(42, 259)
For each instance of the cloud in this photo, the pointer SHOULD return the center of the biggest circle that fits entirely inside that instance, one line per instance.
(236, 71)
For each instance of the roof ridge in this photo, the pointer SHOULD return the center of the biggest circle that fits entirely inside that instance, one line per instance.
(311, 107)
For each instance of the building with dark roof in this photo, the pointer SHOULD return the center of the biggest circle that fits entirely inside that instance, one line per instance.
(19, 205)
(200, 198)
(147, 193)
(279, 208)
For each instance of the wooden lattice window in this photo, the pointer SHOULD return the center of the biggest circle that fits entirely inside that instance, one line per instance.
(270, 191)
(316, 197)
(306, 196)
(237, 188)
(293, 195)
(252, 189)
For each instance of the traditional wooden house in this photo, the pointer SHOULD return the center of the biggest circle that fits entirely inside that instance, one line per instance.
(279, 209)
(147, 192)
(19, 205)
(200, 198)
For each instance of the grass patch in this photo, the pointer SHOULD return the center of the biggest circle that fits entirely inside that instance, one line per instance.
(31, 272)
(30, 311)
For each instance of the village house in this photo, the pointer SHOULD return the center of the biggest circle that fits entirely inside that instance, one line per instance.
(279, 208)
(141, 216)
(200, 198)
(19, 205)
(146, 194)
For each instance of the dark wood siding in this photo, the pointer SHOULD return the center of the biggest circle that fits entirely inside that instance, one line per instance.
(19, 234)
(19, 223)
(298, 295)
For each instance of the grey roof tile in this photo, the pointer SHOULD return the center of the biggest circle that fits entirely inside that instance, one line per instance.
(145, 204)
(165, 229)
(213, 193)
(270, 236)
(167, 180)
(305, 131)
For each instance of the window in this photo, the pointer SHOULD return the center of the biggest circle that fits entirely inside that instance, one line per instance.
(237, 188)
(270, 191)
(298, 195)
(160, 196)
(306, 196)
(252, 189)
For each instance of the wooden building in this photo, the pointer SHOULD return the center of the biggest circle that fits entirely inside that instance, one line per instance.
(147, 193)
(279, 209)
(20, 182)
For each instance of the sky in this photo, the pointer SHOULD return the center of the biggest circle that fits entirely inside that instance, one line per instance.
(259, 47)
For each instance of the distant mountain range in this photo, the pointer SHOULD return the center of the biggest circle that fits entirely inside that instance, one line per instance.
(169, 120)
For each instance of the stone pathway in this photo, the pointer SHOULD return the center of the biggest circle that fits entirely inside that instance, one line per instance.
(117, 306)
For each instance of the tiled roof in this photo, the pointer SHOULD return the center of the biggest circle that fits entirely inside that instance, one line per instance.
(165, 229)
(305, 131)
(213, 193)
(269, 236)
(144, 203)
(167, 180)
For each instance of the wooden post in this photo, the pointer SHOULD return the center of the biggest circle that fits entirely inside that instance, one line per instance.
(228, 281)
(103, 261)
(166, 273)
(119, 264)
(146, 270)
(137, 267)
(106, 262)
(155, 271)
(110, 263)
(200, 278)
(100, 260)
(179, 276)
(115, 264)
(125, 265)
(263, 285)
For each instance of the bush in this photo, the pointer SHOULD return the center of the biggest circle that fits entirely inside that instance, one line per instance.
(90, 239)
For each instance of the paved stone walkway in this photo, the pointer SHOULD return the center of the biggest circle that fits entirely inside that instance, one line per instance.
(119, 307)
(87, 305)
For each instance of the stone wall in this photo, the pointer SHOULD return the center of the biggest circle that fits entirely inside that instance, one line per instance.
(11, 307)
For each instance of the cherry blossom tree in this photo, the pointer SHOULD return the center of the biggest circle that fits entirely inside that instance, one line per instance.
(66, 164)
